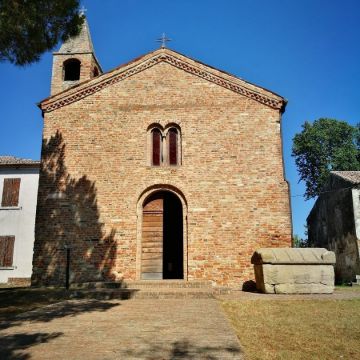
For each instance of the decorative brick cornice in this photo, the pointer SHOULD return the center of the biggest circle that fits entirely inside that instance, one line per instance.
(181, 62)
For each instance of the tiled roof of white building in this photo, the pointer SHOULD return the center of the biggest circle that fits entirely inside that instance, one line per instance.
(350, 176)
(12, 160)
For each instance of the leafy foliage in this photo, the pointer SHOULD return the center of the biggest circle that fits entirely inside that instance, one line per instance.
(28, 28)
(299, 242)
(323, 146)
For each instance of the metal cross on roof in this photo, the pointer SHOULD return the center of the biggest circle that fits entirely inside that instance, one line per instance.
(83, 10)
(163, 40)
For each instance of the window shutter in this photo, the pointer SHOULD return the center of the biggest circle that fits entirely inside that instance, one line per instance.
(6, 250)
(156, 144)
(173, 147)
(10, 195)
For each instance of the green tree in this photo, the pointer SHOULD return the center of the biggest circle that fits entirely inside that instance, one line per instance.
(323, 146)
(299, 242)
(28, 28)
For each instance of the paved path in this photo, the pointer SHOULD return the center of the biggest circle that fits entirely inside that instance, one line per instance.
(132, 329)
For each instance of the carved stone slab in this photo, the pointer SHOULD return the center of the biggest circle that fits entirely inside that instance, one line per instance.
(294, 271)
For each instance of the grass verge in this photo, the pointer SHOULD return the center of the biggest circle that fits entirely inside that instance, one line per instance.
(297, 329)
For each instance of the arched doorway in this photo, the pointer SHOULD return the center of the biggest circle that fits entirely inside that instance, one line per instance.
(162, 245)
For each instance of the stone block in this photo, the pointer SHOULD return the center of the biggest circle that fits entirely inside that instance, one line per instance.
(303, 289)
(294, 271)
(293, 256)
(357, 279)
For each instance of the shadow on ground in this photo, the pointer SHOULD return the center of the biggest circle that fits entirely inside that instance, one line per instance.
(249, 286)
(13, 347)
(181, 350)
(58, 310)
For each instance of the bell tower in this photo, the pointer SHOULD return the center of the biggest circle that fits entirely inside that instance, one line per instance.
(75, 61)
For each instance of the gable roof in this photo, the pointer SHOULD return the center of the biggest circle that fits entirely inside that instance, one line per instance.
(352, 177)
(171, 57)
(15, 161)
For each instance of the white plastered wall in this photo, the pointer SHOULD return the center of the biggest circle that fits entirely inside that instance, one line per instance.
(20, 221)
(356, 204)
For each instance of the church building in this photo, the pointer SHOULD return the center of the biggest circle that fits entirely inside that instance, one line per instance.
(162, 168)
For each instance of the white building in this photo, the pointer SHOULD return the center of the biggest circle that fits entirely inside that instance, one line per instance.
(18, 195)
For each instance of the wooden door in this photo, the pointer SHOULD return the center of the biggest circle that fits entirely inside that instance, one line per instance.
(152, 238)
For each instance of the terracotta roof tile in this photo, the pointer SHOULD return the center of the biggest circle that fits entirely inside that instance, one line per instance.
(351, 176)
(174, 58)
(12, 160)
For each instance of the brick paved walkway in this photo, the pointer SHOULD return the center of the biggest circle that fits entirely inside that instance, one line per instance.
(133, 329)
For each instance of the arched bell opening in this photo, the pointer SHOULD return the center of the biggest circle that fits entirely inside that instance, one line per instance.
(71, 69)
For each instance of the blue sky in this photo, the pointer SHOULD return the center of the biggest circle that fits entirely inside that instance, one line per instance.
(307, 51)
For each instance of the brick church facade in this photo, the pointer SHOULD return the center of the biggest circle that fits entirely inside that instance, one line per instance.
(163, 168)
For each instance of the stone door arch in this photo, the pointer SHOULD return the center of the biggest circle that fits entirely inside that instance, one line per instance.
(162, 246)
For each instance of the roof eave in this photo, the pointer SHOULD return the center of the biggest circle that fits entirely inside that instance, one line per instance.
(34, 165)
(271, 99)
(349, 181)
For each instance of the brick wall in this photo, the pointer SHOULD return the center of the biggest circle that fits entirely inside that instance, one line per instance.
(95, 170)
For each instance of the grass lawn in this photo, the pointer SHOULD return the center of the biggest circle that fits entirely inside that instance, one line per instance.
(355, 288)
(297, 329)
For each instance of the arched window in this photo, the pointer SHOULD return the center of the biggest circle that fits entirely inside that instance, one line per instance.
(172, 140)
(156, 147)
(163, 145)
(95, 72)
(71, 70)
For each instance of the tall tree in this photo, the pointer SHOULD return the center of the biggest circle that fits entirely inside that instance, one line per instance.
(28, 28)
(299, 242)
(325, 145)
